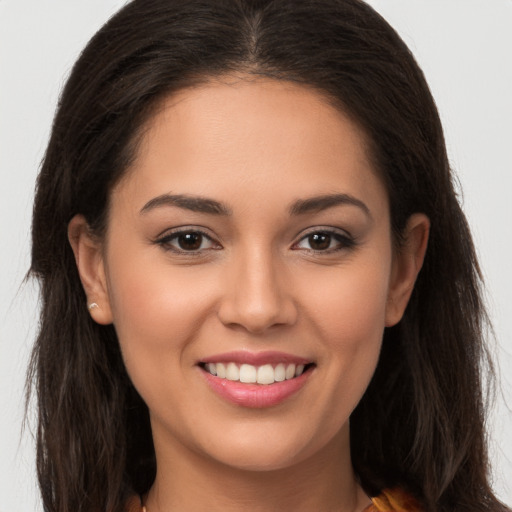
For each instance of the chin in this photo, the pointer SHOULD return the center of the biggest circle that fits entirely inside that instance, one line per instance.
(258, 460)
(270, 451)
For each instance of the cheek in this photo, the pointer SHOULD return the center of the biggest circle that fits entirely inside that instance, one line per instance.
(351, 303)
(156, 310)
(348, 312)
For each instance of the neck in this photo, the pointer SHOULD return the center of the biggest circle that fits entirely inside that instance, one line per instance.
(189, 482)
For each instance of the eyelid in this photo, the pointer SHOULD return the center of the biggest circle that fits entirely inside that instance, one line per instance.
(165, 237)
(342, 235)
(187, 228)
(323, 229)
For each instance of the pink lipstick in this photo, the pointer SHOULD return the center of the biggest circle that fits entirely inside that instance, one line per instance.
(256, 380)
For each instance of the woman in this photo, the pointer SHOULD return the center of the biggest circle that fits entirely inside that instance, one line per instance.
(248, 190)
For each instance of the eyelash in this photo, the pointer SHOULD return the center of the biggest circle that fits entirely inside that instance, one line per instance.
(343, 241)
(166, 241)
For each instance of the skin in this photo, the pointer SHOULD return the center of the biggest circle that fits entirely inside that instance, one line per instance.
(256, 283)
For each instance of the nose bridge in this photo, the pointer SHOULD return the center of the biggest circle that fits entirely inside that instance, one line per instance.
(257, 296)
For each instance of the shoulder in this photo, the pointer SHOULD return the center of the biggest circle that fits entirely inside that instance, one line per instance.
(394, 500)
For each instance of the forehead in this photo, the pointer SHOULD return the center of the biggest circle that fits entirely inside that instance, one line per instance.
(250, 135)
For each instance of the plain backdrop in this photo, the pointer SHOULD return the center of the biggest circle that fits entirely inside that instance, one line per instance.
(464, 48)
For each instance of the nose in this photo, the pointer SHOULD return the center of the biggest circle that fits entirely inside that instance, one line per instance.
(258, 294)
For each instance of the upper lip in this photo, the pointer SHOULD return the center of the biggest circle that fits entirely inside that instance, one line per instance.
(256, 358)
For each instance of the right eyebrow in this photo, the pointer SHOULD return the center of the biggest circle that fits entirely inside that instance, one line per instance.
(318, 203)
(192, 203)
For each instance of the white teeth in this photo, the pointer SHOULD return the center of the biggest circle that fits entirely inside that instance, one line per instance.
(290, 371)
(247, 373)
(232, 372)
(279, 373)
(211, 368)
(266, 374)
(221, 370)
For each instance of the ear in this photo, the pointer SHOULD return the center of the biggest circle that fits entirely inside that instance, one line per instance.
(407, 263)
(90, 263)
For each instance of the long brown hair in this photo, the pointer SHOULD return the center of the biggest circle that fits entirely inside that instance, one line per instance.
(420, 424)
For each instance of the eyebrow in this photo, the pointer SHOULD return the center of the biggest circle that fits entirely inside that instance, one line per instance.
(319, 203)
(210, 206)
(192, 203)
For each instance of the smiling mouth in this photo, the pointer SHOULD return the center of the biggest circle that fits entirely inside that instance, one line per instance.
(265, 374)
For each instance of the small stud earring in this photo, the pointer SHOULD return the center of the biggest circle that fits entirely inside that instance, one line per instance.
(92, 305)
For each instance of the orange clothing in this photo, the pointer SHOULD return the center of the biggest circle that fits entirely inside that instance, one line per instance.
(393, 500)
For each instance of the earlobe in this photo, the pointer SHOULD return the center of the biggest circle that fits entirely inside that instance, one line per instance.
(407, 263)
(91, 268)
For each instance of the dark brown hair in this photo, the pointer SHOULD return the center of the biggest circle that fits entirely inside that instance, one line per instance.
(420, 424)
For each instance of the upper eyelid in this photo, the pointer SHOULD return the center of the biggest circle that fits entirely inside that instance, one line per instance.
(343, 236)
(167, 244)
(165, 239)
(185, 229)
(323, 229)
(169, 232)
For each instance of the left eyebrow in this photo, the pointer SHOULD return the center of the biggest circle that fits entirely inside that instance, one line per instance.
(319, 203)
(192, 203)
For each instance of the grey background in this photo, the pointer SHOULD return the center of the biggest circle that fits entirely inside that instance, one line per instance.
(464, 48)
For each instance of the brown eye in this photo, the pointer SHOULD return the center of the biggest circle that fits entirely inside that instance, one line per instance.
(190, 241)
(319, 241)
(194, 242)
(325, 242)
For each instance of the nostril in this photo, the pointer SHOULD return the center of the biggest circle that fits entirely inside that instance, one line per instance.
(244, 313)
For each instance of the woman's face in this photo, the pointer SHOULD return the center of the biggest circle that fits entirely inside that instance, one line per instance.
(250, 238)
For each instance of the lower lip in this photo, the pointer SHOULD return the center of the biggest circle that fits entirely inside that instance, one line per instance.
(255, 396)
